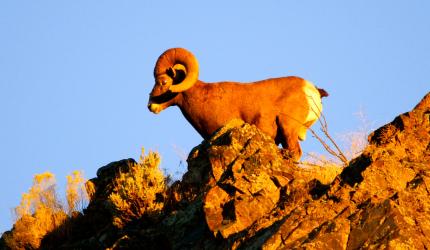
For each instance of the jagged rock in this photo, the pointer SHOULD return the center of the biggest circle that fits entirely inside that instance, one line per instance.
(240, 192)
(244, 174)
(234, 179)
(380, 200)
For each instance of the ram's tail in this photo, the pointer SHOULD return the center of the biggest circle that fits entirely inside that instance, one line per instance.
(322, 92)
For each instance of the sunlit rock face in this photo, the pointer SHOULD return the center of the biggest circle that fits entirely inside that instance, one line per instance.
(244, 176)
(241, 192)
(254, 198)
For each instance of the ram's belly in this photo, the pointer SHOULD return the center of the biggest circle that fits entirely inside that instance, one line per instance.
(314, 107)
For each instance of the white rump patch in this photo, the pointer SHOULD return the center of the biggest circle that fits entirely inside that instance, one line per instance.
(315, 107)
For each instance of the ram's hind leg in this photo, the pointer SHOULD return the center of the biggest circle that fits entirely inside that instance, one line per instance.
(288, 136)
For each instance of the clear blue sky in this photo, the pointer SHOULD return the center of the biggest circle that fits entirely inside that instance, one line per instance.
(75, 75)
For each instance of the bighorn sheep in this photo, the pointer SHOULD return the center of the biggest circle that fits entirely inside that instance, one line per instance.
(284, 108)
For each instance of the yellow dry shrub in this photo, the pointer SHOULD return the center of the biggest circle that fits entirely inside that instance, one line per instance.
(90, 189)
(76, 192)
(136, 191)
(39, 213)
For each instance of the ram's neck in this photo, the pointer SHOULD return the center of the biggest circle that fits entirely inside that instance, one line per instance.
(194, 106)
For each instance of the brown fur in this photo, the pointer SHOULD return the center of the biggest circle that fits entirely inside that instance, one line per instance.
(276, 106)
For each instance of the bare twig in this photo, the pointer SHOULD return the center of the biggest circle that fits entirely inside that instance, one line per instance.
(337, 152)
(324, 128)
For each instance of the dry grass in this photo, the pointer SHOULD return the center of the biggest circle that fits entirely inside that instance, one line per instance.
(41, 211)
(325, 168)
(138, 191)
(321, 168)
(356, 141)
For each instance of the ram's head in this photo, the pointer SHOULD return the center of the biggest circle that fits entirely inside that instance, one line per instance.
(176, 71)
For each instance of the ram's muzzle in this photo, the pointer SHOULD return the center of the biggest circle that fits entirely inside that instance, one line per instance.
(156, 104)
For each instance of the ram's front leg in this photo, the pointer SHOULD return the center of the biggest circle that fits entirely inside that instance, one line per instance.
(266, 123)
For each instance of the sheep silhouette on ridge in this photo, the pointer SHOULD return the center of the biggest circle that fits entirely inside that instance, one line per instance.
(283, 108)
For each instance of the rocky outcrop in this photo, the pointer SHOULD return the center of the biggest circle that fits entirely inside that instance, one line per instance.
(240, 192)
(380, 200)
(251, 197)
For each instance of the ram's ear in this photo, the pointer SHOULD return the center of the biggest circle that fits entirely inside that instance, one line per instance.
(179, 73)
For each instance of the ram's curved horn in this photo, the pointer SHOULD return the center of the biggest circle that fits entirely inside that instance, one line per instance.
(178, 59)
